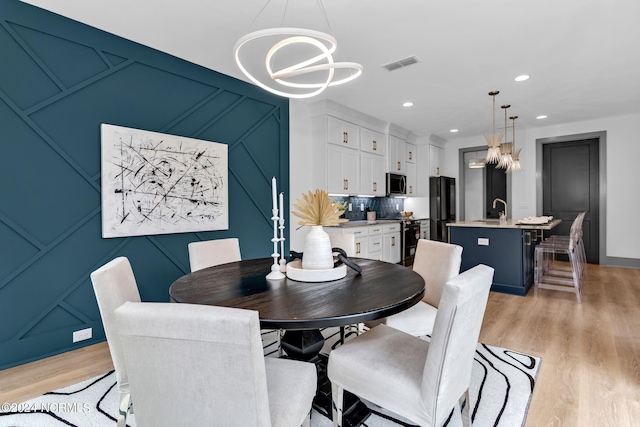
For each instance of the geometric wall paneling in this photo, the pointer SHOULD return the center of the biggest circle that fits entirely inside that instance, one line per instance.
(32, 84)
(61, 79)
(55, 52)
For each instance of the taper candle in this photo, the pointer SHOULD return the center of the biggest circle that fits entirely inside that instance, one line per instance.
(281, 206)
(274, 192)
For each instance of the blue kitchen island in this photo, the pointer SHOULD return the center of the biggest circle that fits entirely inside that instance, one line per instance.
(506, 245)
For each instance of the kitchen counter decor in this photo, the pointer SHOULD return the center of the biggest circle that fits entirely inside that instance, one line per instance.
(316, 210)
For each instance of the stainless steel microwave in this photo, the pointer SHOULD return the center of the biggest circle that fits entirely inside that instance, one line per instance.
(396, 184)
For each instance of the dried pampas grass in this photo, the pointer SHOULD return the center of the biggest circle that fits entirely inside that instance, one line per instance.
(317, 209)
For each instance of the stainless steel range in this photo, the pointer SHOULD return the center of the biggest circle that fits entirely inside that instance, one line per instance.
(410, 235)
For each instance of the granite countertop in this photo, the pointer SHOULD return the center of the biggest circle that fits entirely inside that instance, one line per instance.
(360, 223)
(363, 222)
(509, 223)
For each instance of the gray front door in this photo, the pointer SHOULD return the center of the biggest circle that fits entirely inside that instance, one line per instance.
(570, 183)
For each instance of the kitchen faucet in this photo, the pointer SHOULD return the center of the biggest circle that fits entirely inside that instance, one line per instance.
(505, 207)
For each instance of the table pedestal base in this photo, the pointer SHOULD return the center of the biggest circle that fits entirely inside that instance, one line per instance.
(306, 345)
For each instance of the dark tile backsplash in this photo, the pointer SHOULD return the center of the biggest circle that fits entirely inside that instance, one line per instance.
(384, 207)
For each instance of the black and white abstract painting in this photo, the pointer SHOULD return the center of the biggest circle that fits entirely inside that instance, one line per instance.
(154, 183)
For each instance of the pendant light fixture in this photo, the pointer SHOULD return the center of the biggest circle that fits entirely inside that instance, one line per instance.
(506, 147)
(493, 140)
(298, 62)
(515, 154)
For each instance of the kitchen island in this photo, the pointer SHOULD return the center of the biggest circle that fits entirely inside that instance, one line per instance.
(508, 246)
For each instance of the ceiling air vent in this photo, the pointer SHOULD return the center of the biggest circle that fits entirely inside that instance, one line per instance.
(401, 63)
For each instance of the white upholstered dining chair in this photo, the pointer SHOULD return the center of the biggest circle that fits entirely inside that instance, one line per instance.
(436, 262)
(213, 252)
(208, 253)
(419, 380)
(199, 365)
(114, 284)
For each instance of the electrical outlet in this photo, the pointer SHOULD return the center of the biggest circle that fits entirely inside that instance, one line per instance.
(82, 334)
(361, 207)
(350, 207)
(397, 206)
(483, 241)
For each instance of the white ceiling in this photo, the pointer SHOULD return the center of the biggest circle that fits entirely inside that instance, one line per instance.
(583, 56)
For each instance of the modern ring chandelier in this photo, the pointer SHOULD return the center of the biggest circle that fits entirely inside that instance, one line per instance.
(302, 58)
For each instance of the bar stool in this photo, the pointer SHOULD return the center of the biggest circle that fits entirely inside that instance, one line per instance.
(548, 274)
(576, 226)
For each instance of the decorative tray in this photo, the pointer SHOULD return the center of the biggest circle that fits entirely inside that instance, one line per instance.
(535, 220)
(296, 272)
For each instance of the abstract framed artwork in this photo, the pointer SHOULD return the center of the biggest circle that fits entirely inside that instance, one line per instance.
(154, 183)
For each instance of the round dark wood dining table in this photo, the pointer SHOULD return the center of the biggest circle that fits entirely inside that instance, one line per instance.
(381, 290)
(303, 308)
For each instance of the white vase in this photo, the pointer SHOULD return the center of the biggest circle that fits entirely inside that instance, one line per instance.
(317, 250)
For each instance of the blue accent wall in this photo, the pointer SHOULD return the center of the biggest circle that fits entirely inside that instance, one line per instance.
(59, 80)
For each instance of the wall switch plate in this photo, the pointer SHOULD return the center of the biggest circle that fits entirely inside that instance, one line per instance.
(361, 207)
(397, 206)
(483, 241)
(350, 207)
(82, 334)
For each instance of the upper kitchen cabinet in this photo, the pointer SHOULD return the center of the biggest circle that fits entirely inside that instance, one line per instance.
(436, 160)
(373, 142)
(412, 181)
(343, 133)
(372, 175)
(396, 155)
(411, 153)
(343, 170)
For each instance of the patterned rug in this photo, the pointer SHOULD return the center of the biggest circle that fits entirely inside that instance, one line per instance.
(501, 388)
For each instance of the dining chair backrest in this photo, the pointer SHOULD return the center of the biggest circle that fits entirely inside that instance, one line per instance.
(447, 370)
(114, 284)
(194, 364)
(436, 262)
(213, 252)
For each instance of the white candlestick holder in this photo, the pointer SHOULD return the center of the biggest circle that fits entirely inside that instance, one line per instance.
(275, 268)
(283, 258)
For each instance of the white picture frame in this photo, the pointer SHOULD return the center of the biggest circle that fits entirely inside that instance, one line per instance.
(155, 183)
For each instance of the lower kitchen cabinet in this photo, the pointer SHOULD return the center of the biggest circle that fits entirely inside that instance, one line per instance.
(391, 243)
(376, 241)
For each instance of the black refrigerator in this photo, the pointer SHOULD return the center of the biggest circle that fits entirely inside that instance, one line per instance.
(442, 206)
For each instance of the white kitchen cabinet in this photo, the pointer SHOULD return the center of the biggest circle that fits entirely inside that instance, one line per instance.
(372, 178)
(411, 153)
(436, 160)
(412, 182)
(343, 173)
(340, 132)
(391, 243)
(395, 154)
(375, 242)
(425, 229)
(373, 142)
(361, 235)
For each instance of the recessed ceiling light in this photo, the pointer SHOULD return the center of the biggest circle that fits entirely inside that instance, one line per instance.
(541, 117)
(408, 104)
(453, 130)
(521, 78)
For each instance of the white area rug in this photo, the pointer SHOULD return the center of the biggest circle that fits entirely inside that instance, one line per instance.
(501, 389)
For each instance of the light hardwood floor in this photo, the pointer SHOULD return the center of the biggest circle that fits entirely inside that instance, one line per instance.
(590, 374)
